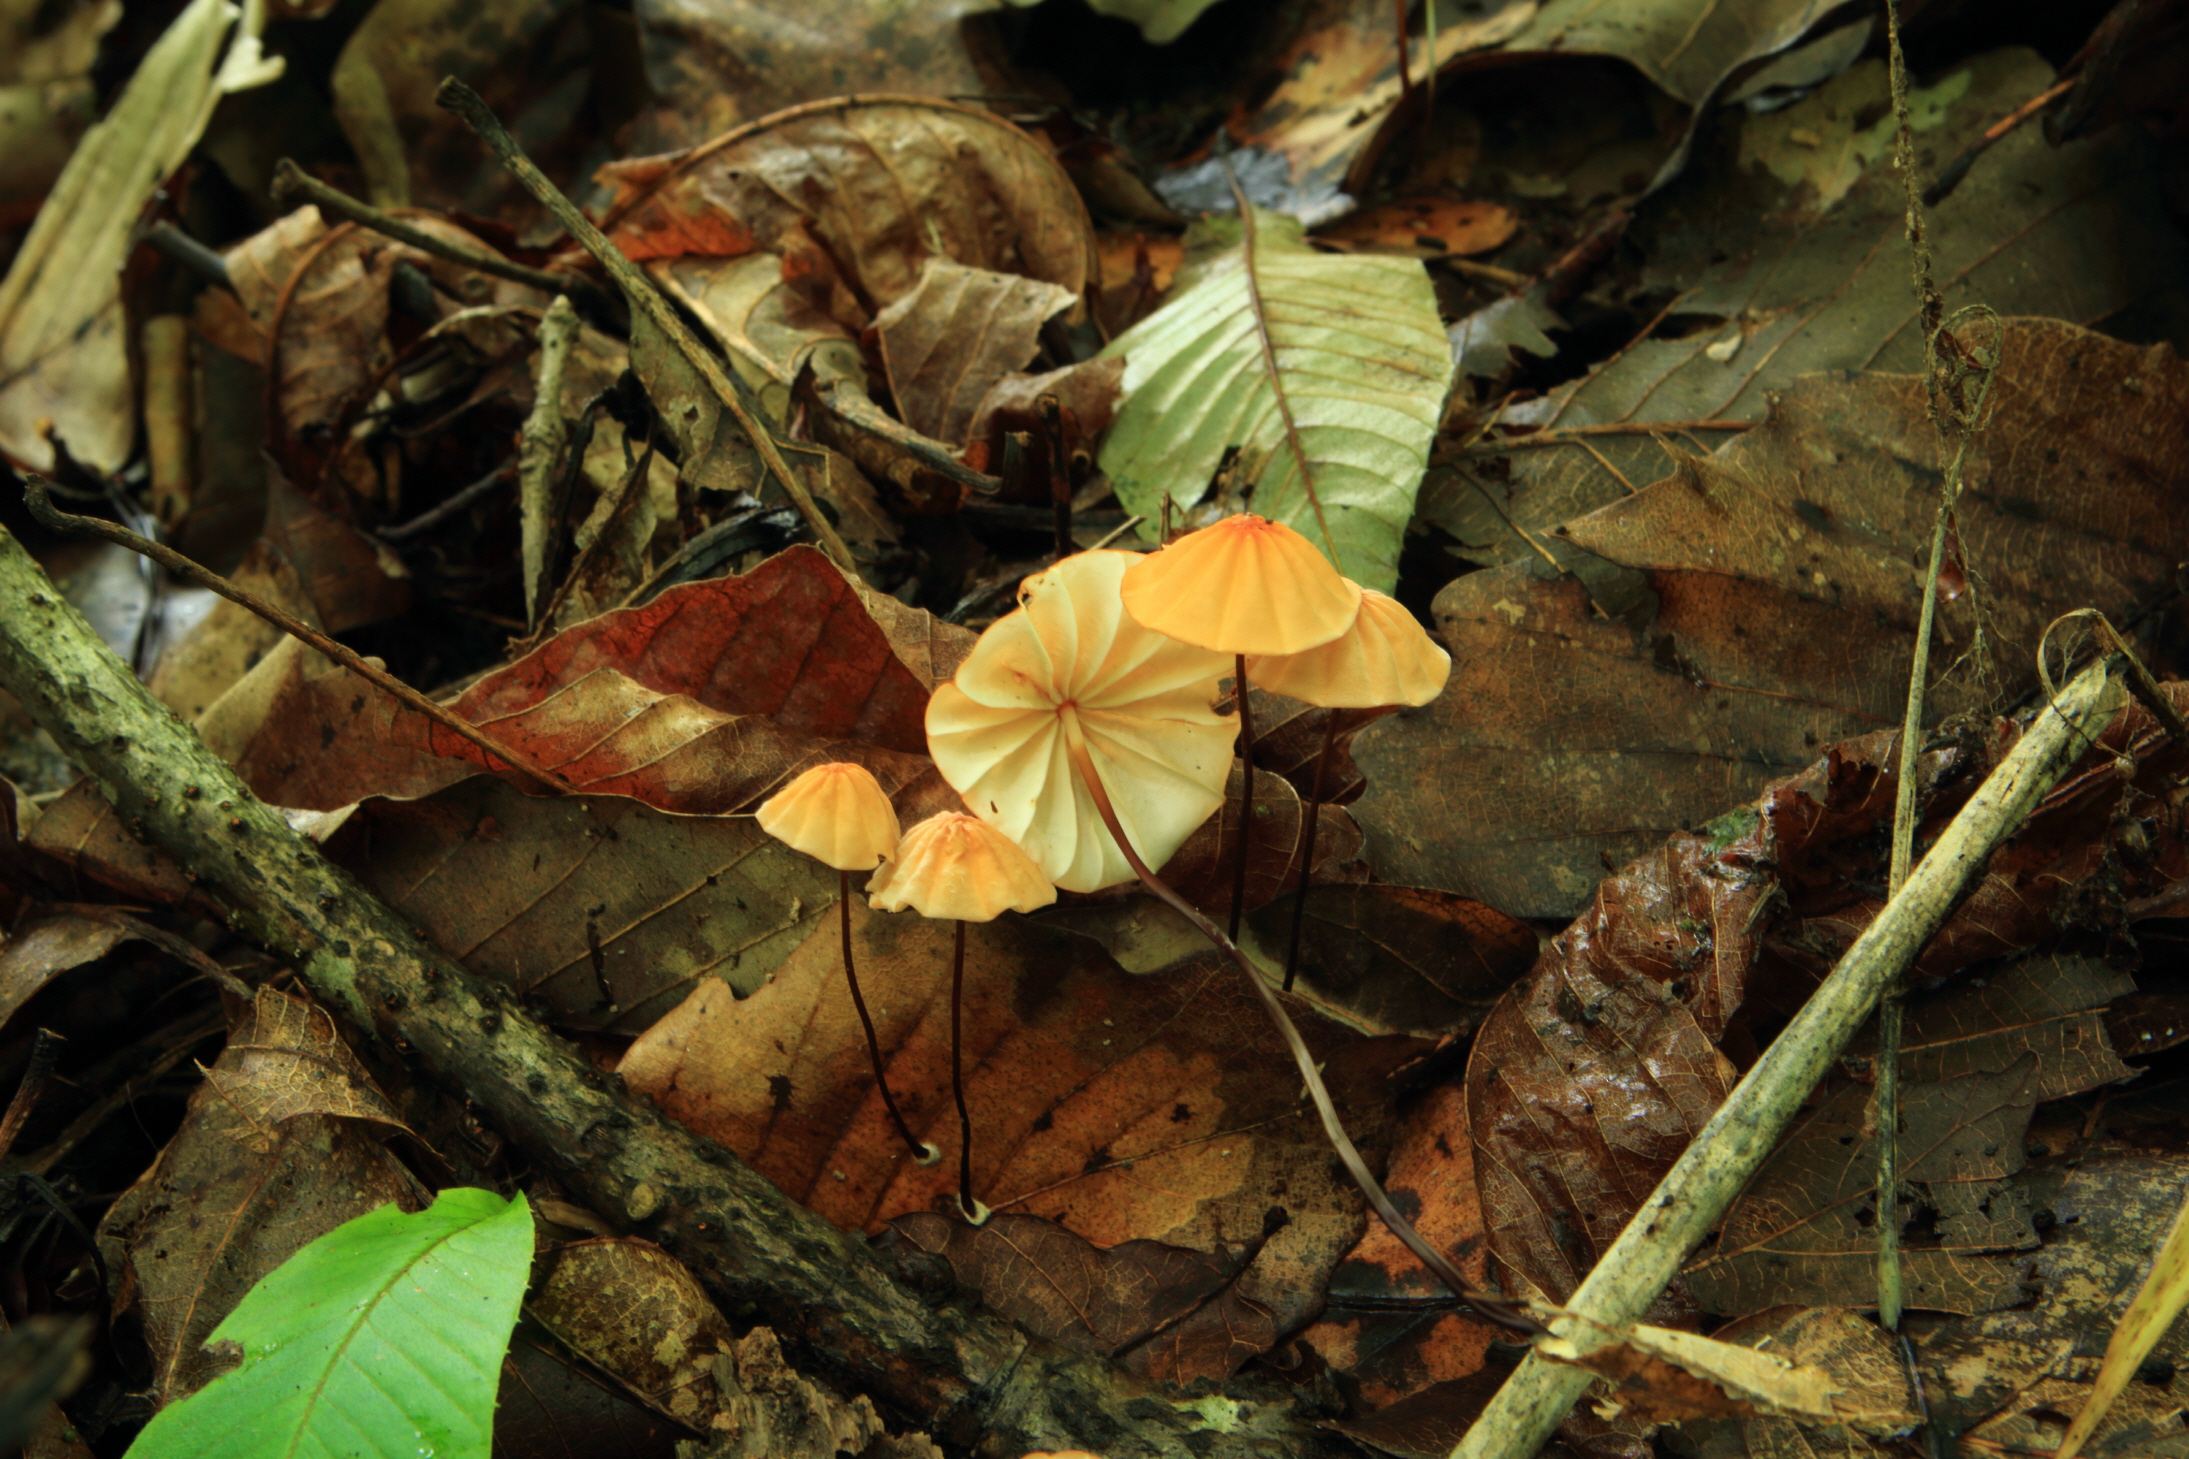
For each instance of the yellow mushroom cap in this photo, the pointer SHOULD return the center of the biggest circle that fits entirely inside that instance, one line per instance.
(1384, 658)
(837, 814)
(956, 865)
(1070, 663)
(1243, 586)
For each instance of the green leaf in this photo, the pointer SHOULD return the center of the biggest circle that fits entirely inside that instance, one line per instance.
(1364, 366)
(382, 1338)
(1161, 21)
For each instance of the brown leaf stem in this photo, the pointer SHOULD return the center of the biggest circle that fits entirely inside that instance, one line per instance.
(1496, 1309)
(1569, 434)
(1269, 357)
(292, 182)
(644, 298)
(41, 507)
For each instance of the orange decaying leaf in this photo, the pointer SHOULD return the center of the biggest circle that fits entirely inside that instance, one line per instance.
(837, 814)
(1071, 667)
(1384, 658)
(953, 865)
(1243, 586)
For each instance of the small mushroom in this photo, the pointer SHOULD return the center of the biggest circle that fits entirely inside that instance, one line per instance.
(1070, 663)
(1384, 659)
(958, 867)
(838, 815)
(1245, 586)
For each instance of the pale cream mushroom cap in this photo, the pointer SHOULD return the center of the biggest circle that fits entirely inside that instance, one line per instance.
(837, 814)
(1070, 657)
(956, 865)
(1384, 658)
(1243, 586)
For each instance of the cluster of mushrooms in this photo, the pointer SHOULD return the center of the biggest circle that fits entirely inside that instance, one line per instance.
(1084, 736)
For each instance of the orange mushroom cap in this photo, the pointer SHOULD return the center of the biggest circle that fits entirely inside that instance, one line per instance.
(1069, 664)
(837, 814)
(1243, 586)
(1384, 658)
(956, 865)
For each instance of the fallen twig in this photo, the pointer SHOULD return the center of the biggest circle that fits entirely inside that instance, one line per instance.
(1694, 1194)
(50, 516)
(292, 182)
(644, 299)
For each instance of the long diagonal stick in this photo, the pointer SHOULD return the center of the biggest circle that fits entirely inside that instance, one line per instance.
(1695, 1193)
(644, 299)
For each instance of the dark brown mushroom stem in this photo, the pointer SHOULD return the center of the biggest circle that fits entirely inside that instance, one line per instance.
(974, 1211)
(1491, 1306)
(1307, 847)
(1246, 800)
(923, 1152)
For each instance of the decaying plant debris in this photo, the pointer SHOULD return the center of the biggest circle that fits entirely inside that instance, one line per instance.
(687, 434)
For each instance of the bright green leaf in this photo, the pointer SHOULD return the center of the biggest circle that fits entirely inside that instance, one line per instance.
(1161, 21)
(1364, 366)
(383, 1338)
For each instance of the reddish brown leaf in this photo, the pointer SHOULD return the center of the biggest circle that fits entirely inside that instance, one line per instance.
(1163, 1311)
(1426, 227)
(790, 640)
(1159, 1108)
(1365, 1330)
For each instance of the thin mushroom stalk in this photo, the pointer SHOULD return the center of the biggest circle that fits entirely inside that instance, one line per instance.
(838, 815)
(923, 1152)
(956, 868)
(1246, 801)
(1487, 1304)
(968, 1204)
(1384, 660)
(1307, 849)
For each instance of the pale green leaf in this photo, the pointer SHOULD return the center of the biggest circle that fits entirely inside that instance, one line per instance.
(383, 1339)
(1161, 21)
(1364, 366)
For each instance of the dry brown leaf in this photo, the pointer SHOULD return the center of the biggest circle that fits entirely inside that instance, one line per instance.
(1763, 603)
(290, 1061)
(219, 1209)
(230, 640)
(1384, 1324)
(1164, 1312)
(1976, 1061)
(1663, 1375)
(638, 1313)
(605, 909)
(2145, 1422)
(955, 335)
(1396, 959)
(43, 946)
(856, 194)
(1430, 227)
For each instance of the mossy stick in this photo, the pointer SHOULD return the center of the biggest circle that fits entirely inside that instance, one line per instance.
(966, 1373)
(1695, 1193)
